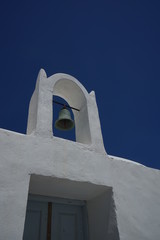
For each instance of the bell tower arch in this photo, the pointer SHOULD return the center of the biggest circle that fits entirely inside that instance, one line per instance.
(87, 124)
(74, 93)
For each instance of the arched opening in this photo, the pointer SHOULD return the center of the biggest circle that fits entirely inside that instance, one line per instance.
(68, 134)
(75, 96)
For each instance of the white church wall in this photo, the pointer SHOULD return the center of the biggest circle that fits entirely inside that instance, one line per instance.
(136, 187)
(25, 159)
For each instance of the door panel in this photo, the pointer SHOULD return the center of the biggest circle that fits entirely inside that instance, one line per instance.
(36, 221)
(67, 222)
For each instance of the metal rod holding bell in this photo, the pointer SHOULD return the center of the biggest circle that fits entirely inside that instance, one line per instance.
(67, 106)
(64, 121)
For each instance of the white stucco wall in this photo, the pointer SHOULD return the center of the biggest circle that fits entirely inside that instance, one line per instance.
(136, 190)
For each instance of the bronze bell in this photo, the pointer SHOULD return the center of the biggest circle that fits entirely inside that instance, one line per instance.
(64, 121)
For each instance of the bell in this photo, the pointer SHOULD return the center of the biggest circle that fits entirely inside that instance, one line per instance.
(64, 121)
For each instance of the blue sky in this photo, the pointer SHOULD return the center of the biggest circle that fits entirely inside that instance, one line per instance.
(112, 47)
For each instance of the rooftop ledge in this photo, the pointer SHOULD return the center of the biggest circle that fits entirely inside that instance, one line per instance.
(84, 146)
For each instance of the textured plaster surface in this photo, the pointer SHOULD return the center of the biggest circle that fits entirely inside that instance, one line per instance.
(136, 190)
(136, 187)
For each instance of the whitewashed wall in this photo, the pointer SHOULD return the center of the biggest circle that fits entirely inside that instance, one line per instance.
(136, 188)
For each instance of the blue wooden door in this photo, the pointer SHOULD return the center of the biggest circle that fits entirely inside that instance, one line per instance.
(36, 221)
(67, 222)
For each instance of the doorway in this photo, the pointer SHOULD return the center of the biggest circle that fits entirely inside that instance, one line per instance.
(55, 219)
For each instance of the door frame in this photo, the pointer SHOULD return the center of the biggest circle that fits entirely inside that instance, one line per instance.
(41, 198)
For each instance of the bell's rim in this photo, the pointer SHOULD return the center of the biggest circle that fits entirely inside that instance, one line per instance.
(57, 125)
